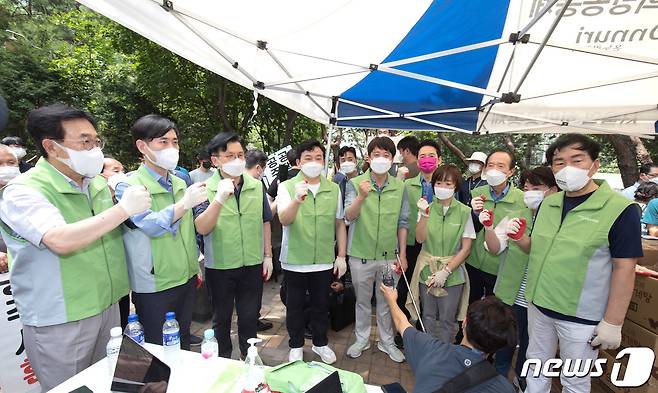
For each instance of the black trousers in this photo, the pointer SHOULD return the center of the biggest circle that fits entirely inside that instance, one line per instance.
(241, 288)
(403, 290)
(317, 285)
(124, 311)
(482, 283)
(152, 307)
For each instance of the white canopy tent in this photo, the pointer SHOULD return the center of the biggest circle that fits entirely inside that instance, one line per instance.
(477, 66)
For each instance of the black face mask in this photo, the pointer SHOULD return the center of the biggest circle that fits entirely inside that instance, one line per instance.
(206, 164)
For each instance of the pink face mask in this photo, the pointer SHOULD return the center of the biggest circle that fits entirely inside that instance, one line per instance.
(428, 164)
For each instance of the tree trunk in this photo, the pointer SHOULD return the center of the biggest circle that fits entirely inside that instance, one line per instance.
(221, 105)
(641, 152)
(451, 146)
(291, 116)
(626, 161)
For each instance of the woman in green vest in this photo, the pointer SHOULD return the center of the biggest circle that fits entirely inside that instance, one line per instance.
(510, 285)
(445, 229)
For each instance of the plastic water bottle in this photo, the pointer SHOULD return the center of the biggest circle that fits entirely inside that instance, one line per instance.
(387, 276)
(170, 334)
(113, 347)
(134, 329)
(209, 346)
(254, 376)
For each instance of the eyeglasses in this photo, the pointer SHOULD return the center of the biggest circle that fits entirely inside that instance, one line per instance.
(233, 156)
(88, 143)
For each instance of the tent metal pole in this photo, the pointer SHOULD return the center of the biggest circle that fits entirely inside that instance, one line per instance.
(500, 85)
(308, 79)
(330, 135)
(366, 117)
(604, 84)
(214, 47)
(287, 90)
(438, 125)
(537, 17)
(372, 108)
(597, 52)
(438, 81)
(447, 52)
(543, 44)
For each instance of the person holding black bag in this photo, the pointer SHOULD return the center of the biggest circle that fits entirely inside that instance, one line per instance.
(448, 368)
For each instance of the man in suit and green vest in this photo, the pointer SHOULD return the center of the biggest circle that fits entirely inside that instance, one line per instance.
(68, 267)
(584, 246)
(311, 212)
(379, 218)
(237, 240)
(493, 203)
(162, 252)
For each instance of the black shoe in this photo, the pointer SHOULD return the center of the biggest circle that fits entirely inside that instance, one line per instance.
(398, 341)
(263, 325)
(195, 340)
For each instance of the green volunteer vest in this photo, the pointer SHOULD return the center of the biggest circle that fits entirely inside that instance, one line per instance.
(375, 233)
(414, 191)
(511, 206)
(174, 257)
(570, 263)
(237, 239)
(90, 279)
(444, 234)
(312, 234)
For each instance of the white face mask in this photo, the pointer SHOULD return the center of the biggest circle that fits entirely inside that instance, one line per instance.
(474, 167)
(380, 165)
(7, 173)
(533, 198)
(20, 152)
(88, 163)
(312, 169)
(495, 177)
(572, 179)
(113, 180)
(443, 193)
(165, 158)
(234, 168)
(347, 167)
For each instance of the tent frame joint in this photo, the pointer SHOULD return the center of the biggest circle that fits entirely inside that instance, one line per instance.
(167, 5)
(373, 67)
(258, 85)
(517, 37)
(262, 45)
(510, 98)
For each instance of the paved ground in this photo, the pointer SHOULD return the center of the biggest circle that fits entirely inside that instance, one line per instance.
(374, 366)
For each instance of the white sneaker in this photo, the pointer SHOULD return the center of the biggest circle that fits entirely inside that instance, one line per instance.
(355, 350)
(296, 354)
(326, 354)
(392, 351)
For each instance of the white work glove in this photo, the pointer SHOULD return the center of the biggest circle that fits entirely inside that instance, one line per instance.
(423, 207)
(135, 199)
(403, 172)
(438, 279)
(340, 267)
(225, 188)
(301, 191)
(267, 268)
(477, 203)
(607, 336)
(194, 195)
(513, 226)
(485, 216)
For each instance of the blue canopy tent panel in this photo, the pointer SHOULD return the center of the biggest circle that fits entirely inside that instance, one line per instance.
(445, 26)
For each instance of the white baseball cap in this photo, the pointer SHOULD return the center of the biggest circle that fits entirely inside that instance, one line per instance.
(478, 156)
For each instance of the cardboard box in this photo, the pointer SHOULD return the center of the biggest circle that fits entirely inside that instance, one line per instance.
(634, 335)
(650, 250)
(650, 387)
(643, 309)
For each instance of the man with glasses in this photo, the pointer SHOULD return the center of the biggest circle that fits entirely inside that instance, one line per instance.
(61, 228)
(161, 251)
(235, 225)
(648, 172)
